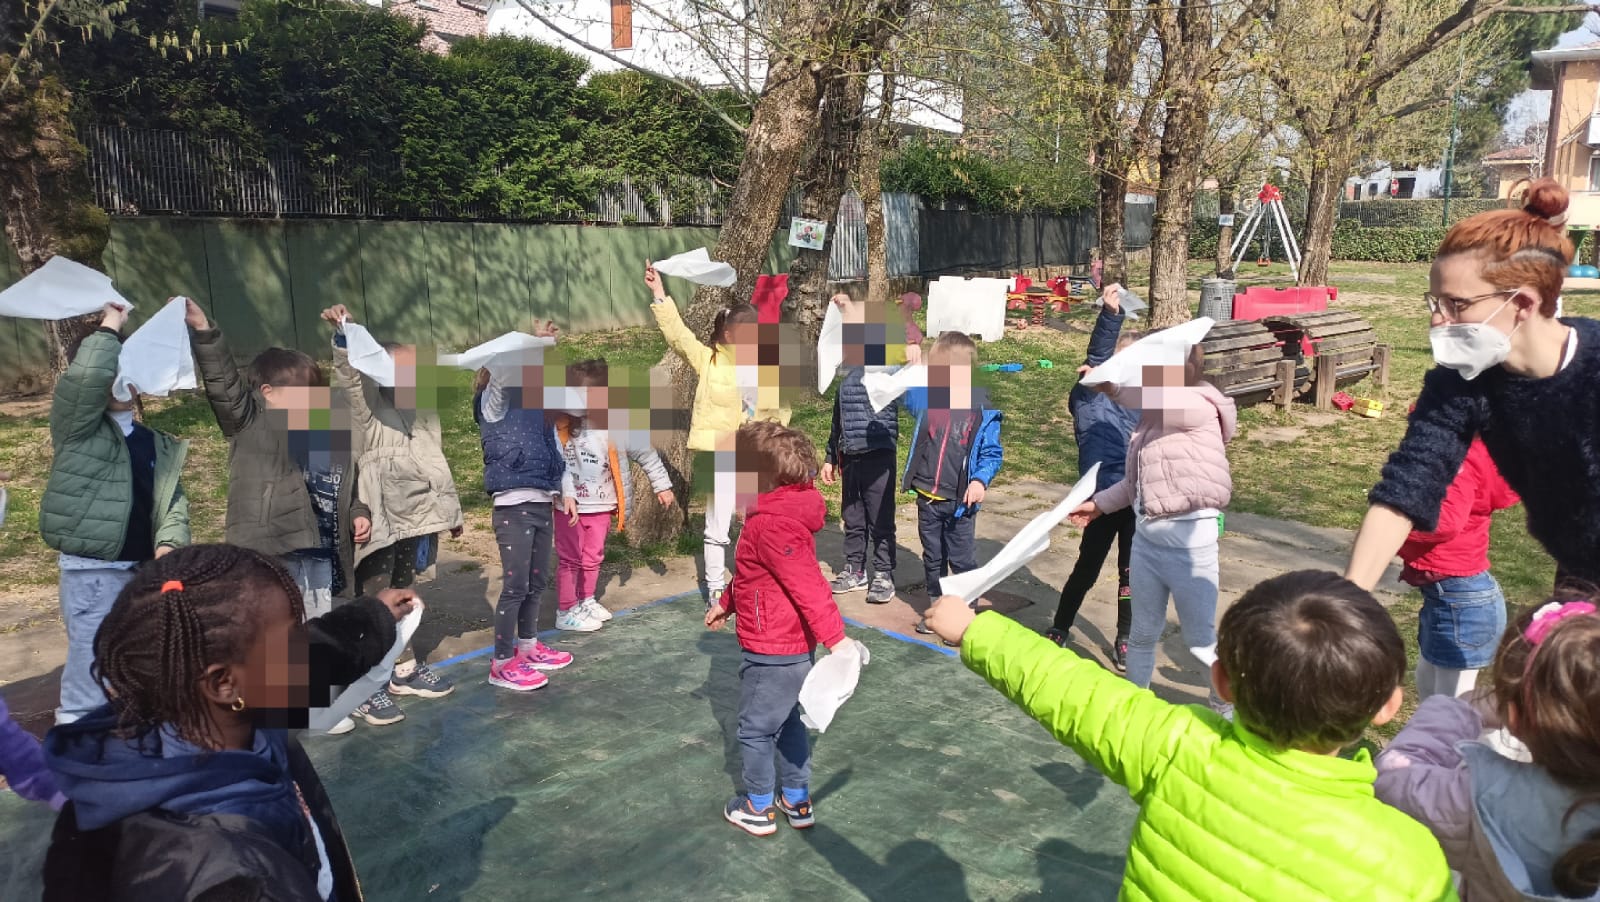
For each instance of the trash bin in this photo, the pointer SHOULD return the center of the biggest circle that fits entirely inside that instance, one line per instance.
(1216, 299)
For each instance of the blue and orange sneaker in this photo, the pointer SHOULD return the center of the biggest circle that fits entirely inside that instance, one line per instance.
(800, 815)
(746, 817)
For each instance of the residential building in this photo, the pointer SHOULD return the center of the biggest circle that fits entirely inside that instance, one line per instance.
(1397, 181)
(1572, 151)
(1514, 166)
(448, 21)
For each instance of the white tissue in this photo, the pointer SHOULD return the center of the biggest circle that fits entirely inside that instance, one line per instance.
(1170, 347)
(698, 267)
(510, 349)
(885, 387)
(1027, 544)
(831, 683)
(323, 719)
(830, 347)
(368, 357)
(60, 289)
(156, 359)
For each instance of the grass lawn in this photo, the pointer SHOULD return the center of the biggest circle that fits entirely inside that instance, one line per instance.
(1299, 464)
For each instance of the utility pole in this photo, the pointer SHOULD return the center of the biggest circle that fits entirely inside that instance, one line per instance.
(1450, 154)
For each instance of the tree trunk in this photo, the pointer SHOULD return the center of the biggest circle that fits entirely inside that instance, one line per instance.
(1328, 170)
(1113, 200)
(869, 177)
(1113, 146)
(784, 118)
(1226, 201)
(45, 195)
(1182, 139)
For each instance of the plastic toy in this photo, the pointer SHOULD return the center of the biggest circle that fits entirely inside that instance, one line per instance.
(1046, 365)
(1343, 401)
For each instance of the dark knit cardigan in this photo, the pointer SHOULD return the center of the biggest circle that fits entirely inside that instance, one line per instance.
(1543, 434)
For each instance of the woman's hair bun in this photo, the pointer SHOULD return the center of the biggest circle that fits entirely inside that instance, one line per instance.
(1546, 199)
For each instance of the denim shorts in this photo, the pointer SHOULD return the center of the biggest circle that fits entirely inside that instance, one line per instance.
(1462, 620)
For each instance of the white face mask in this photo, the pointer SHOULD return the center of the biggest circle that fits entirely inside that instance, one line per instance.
(1471, 348)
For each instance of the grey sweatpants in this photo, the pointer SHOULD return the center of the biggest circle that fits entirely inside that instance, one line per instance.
(1189, 577)
(769, 718)
(86, 597)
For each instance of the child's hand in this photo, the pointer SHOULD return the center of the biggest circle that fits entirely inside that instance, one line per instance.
(975, 493)
(569, 506)
(548, 330)
(949, 618)
(913, 355)
(716, 617)
(827, 474)
(398, 601)
(1110, 297)
(116, 316)
(456, 531)
(336, 315)
(652, 281)
(666, 498)
(1083, 513)
(363, 530)
(194, 316)
(162, 551)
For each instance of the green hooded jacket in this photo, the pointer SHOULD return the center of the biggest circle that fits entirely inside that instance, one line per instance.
(89, 496)
(1224, 815)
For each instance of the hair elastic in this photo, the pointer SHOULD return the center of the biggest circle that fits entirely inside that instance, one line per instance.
(171, 585)
(1546, 618)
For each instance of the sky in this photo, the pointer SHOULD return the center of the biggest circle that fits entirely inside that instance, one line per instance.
(1531, 106)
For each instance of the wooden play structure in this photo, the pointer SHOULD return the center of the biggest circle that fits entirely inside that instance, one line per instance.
(1282, 357)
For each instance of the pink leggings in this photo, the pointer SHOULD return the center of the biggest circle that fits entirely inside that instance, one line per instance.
(580, 550)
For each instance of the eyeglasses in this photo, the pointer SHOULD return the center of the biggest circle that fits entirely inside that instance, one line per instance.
(1450, 308)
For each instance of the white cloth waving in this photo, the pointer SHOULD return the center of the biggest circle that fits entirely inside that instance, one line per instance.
(831, 683)
(1029, 542)
(155, 359)
(698, 267)
(60, 289)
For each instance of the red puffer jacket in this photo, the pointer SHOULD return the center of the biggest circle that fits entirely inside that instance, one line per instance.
(1460, 544)
(781, 603)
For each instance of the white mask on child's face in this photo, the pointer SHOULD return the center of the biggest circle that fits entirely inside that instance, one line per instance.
(1471, 348)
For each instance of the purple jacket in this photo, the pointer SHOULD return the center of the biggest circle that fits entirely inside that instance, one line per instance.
(1500, 822)
(22, 763)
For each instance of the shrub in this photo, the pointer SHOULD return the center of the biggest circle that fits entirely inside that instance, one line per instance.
(1385, 245)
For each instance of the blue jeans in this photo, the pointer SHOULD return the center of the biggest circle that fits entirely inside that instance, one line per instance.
(769, 717)
(1462, 620)
(86, 597)
(949, 543)
(314, 576)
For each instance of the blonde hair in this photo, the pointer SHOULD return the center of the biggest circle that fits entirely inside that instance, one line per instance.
(956, 344)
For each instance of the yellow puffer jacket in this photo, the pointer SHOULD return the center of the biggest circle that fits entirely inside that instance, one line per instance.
(1224, 816)
(719, 408)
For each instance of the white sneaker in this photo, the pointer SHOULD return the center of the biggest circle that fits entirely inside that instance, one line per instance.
(344, 726)
(596, 610)
(576, 620)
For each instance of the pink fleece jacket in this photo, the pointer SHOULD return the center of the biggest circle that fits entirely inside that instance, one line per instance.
(1177, 456)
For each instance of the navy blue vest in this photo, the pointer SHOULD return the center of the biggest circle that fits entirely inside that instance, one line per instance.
(520, 451)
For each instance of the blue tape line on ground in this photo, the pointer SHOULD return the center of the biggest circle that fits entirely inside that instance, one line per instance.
(910, 640)
(478, 653)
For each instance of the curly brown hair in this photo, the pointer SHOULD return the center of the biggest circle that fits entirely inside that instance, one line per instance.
(777, 454)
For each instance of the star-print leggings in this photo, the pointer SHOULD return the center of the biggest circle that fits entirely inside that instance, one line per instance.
(524, 533)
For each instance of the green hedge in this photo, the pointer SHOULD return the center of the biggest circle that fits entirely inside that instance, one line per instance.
(1420, 213)
(1385, 245)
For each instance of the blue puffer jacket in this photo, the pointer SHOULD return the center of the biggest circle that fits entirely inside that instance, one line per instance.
(1101, 425)
(856, 426)
(520, 451)
(983, 458)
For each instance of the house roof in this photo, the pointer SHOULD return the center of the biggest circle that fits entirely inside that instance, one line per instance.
(1547, 62)
(448, 20)
(1526, 153)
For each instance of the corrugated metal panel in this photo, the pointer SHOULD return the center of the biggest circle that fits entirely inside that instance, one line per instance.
(900, 222)
(847, 258)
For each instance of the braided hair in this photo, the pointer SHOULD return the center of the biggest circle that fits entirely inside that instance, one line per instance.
(195, 607)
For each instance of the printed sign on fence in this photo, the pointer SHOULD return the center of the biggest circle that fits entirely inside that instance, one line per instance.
(807, 233)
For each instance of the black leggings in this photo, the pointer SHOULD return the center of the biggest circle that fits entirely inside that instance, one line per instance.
(1096, 544)
(394, 567)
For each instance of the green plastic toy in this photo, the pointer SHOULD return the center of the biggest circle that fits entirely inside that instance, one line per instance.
(1046, 365)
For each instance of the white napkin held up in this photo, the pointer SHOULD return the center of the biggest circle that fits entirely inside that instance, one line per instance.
(698, 267)
(1169, 347)
(830, 347)
(510, 349)
(885, 387)
(60, 289)
(155, 359)
(1029, 542)
(368, 357)
(831, 683)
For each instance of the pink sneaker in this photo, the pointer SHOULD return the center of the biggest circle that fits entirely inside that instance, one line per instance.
(516, 674)
(541, 656)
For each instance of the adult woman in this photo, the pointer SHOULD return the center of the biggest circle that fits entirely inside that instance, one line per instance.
(1510, 371)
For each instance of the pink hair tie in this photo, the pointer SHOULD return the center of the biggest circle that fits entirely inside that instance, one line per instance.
(1546, 618)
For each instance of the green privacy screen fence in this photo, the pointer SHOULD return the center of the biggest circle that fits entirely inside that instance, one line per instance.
(452, 284)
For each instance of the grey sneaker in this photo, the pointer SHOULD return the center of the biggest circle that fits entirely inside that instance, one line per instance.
(380, 710)
(848, 581)
(881, 591)
(422, 682)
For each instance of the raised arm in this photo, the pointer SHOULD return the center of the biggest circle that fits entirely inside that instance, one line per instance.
(232, 402)
(83, 391)
(1124, 731)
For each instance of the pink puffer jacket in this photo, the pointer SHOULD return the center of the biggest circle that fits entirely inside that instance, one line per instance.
(1177, 456)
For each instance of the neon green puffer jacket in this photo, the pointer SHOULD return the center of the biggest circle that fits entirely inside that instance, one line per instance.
(1223, 814)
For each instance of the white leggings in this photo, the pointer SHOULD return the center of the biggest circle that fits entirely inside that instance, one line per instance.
(1435, 680)
(719, 520)
(1189, 577)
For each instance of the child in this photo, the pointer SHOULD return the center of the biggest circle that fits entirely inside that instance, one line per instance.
(910, 303)
(176, 788)
(955, 454)
(522, 470)
(595, 486)
(291, 468)
(1514, 829)
(1177, 481)
(1263, 807)
(22, 763)
(405, 483)
(723, 400)
(1102, 428)
(784, 609)
(113, 500)
(862, 445)
(1463, 611)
